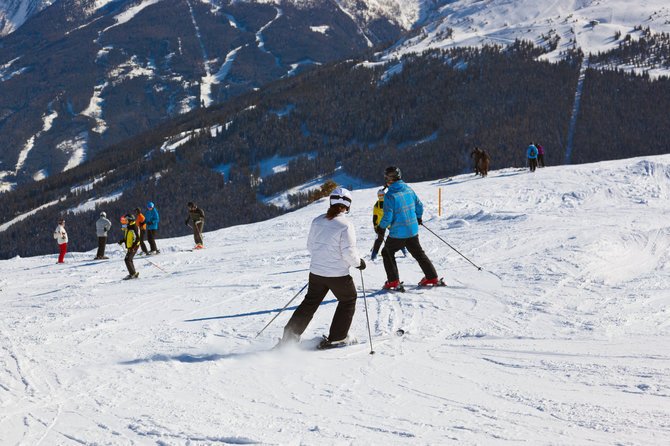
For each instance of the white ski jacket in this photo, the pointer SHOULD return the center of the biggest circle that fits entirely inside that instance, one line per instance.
(332, 244)
(102, 226)
(60, 234)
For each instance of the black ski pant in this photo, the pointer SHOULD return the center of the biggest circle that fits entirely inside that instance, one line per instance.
(102, 242)
(379, 240)
(412, 244)
(344, 290)
(142, 244)
(540, 160)
(532, 164)
(197, 232)
(151, 235)
(129, 260)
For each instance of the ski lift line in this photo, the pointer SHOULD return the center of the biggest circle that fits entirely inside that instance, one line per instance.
(575, 109)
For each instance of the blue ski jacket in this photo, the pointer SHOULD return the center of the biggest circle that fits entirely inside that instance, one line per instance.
(401, 209)
(151, 218)
(532, 151)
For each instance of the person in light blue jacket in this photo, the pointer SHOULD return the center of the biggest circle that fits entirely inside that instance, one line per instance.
(402, 216)
(532, 156)
(151, 219)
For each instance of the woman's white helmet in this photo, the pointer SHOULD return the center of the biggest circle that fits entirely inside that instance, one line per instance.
(340, 196)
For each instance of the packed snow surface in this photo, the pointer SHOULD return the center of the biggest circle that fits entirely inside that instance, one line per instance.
(561, 338)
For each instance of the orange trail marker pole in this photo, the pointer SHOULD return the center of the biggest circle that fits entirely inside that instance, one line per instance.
(439, 201)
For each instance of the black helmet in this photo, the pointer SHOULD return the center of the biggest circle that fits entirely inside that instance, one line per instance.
(190, 204)
(130, 219)
(392, 173)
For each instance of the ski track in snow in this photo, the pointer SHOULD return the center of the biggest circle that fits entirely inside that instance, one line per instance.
(560, 339)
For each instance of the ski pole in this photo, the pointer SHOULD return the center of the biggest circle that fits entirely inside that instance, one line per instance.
(280, 311)
(367, 317)
(445, 242)
(156, 265)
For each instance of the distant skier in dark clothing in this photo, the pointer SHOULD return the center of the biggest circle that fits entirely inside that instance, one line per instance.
(481, 160)
(102, 225)
(532, 157)
(540, 155)
(197, 216)
(131, 241)
(402, 215)
(152, 219)
(332, 244)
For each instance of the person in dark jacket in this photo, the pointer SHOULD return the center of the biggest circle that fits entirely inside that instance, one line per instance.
(540, 155)
(101, 227)
(131, 241)
(332, 244)
(197, 216)
(402, 216)
(151, 216)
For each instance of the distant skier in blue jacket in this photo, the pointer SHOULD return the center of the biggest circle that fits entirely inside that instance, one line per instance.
(151, 218)
(532, 156)
(402, 215)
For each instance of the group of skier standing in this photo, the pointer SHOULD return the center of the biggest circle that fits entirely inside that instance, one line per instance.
(135, 226)
(332, 245)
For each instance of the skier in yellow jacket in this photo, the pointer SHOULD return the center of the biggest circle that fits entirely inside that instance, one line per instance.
(131, 240)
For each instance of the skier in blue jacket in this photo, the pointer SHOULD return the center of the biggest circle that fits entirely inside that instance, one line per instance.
(151, 218)
(402, 215)
(532, 156)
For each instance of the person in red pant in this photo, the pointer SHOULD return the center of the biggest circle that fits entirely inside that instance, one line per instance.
(60, 235)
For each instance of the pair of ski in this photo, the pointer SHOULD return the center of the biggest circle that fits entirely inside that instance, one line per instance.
(323, 344)
(401, 287)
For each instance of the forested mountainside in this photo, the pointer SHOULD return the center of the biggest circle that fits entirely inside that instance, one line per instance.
(79, 77)
(424, 113)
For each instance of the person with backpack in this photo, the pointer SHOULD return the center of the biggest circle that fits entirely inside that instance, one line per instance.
(60, 235)
(101, 227)
(197, 216)
(402, 216)
(532, 157)
(142, 226)
(151, 216)
(131, 242)
(332, 245)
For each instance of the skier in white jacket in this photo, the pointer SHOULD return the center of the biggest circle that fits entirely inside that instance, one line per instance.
(332, 244)
(60, 235)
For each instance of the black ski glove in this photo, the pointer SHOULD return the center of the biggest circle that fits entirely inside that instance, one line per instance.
(362, 265)
(419, 220)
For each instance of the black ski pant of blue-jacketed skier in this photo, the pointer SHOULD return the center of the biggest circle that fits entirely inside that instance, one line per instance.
(413, 246)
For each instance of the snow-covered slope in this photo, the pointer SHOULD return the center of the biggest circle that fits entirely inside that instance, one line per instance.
(561, 339)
